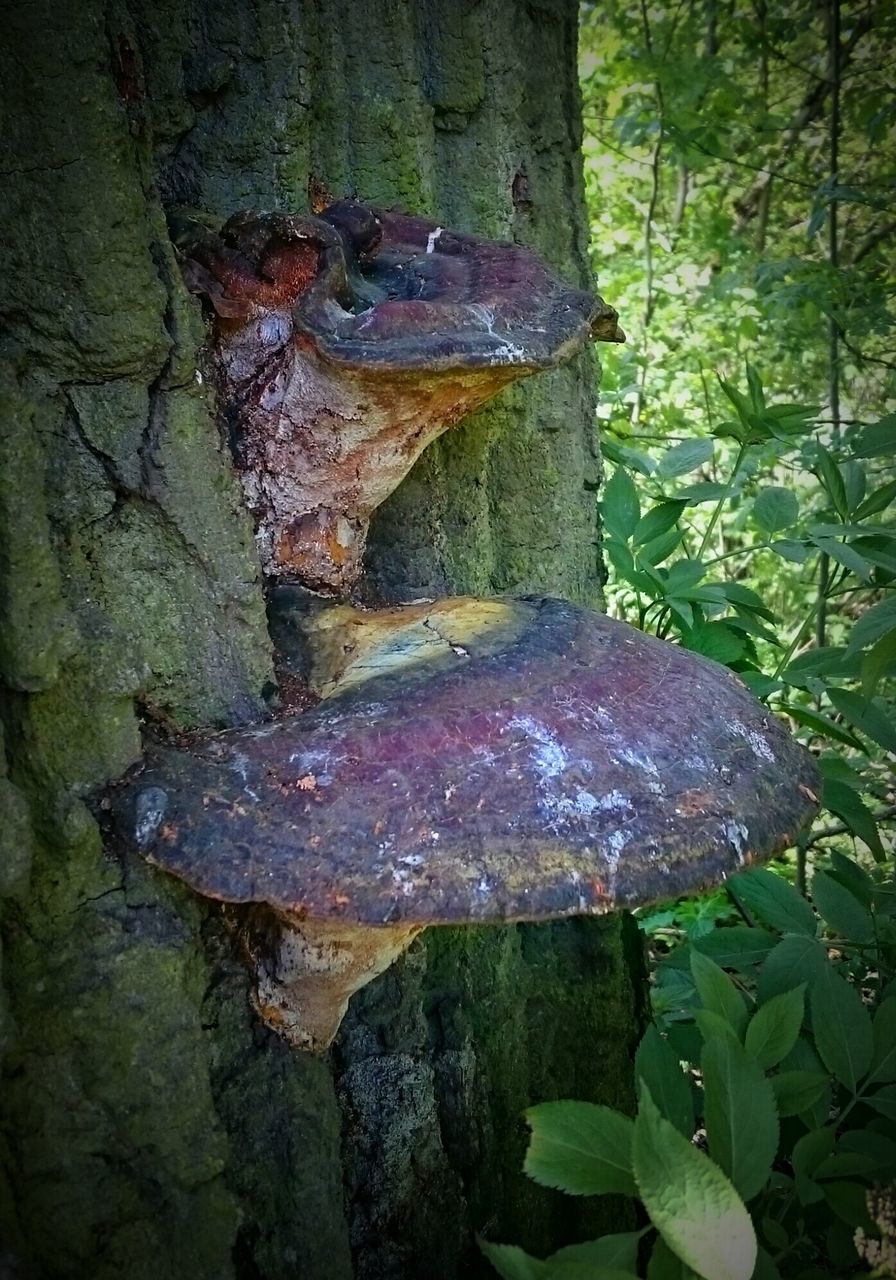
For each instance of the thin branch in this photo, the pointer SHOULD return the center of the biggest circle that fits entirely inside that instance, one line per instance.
(841, 829)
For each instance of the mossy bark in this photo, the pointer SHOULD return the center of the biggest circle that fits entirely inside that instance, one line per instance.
(151, 1127)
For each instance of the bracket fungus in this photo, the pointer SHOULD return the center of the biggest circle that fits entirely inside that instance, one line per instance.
(471, 760)
(347, 342)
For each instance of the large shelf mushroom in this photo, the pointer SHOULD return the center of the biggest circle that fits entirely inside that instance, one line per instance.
(471, 760)
(347, 342)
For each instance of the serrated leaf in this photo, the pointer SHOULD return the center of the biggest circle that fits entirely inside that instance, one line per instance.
(511, 1262)
(852, 877)
(847, 804)
(841, 909)
(878, 500)
(617, 1252)
(685, 457)
(844, 554)
(876, 440)
(808, 1153)
(774, 901)
(690, 1201)
(873, 624)
(824, 725)
(620, 507)
(796, 959)
(734, 946)
(658, 520)
(714, 1027)
(797, 1091)
(658, 1066)
(775, 508)
(879, 662)
(773, 1029)
(581, 1148)
(865, 716)
(715, 640)
(841, 1026)
(740, 1115)
(718, 993)
(790, 549)
(848, 1200)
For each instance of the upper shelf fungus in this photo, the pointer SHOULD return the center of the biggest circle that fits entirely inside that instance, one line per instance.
(347, 342)
(472, 760)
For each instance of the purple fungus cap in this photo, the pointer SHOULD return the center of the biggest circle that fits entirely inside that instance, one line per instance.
(540, 761)
(346, 342)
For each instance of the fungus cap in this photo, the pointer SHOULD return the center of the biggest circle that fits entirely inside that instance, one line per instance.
(347, 342)
(481, 761)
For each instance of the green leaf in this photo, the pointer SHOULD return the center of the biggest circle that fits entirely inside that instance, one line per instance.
(775, 508)
(659, 549)
(685, 457)
(741, 404)
(511, 1263)
(848, 1200)
(883, 1058)
(766, 1268)
(581, 1148)
(797, 1091)
(790, 549)
(873, 624)
(620, 508)
(866, 716)
(774, 1027)
(718, 993)
(657, 1065)
(664, 1265)
(880, 662)
(840, 908)
(844, 554)
(879, 500)
(714, 1027)
(690, 1201)
(740, 1114)
(618, 1251)
(715, 640)
(853, 877)
(848, 805)
(808, 1153)
(757, 394)
(841, 1026)
(875, 441)
(774, 901)
(832, 481)
(683, 575)
(796, 959)
(823, 725)
(657, 521)
(736, 946)
(884, 1101)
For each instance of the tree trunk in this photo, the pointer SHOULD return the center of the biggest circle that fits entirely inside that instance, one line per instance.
(152, 1126)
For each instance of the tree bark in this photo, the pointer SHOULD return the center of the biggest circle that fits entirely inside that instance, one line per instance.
(151, 1126)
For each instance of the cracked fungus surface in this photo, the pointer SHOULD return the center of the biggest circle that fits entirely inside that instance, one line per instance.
(557, 763)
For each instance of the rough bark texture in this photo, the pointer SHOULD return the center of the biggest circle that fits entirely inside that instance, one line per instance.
(151, 1126)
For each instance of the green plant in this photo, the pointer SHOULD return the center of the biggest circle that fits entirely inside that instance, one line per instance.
(756, 599)
(766, 1098)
